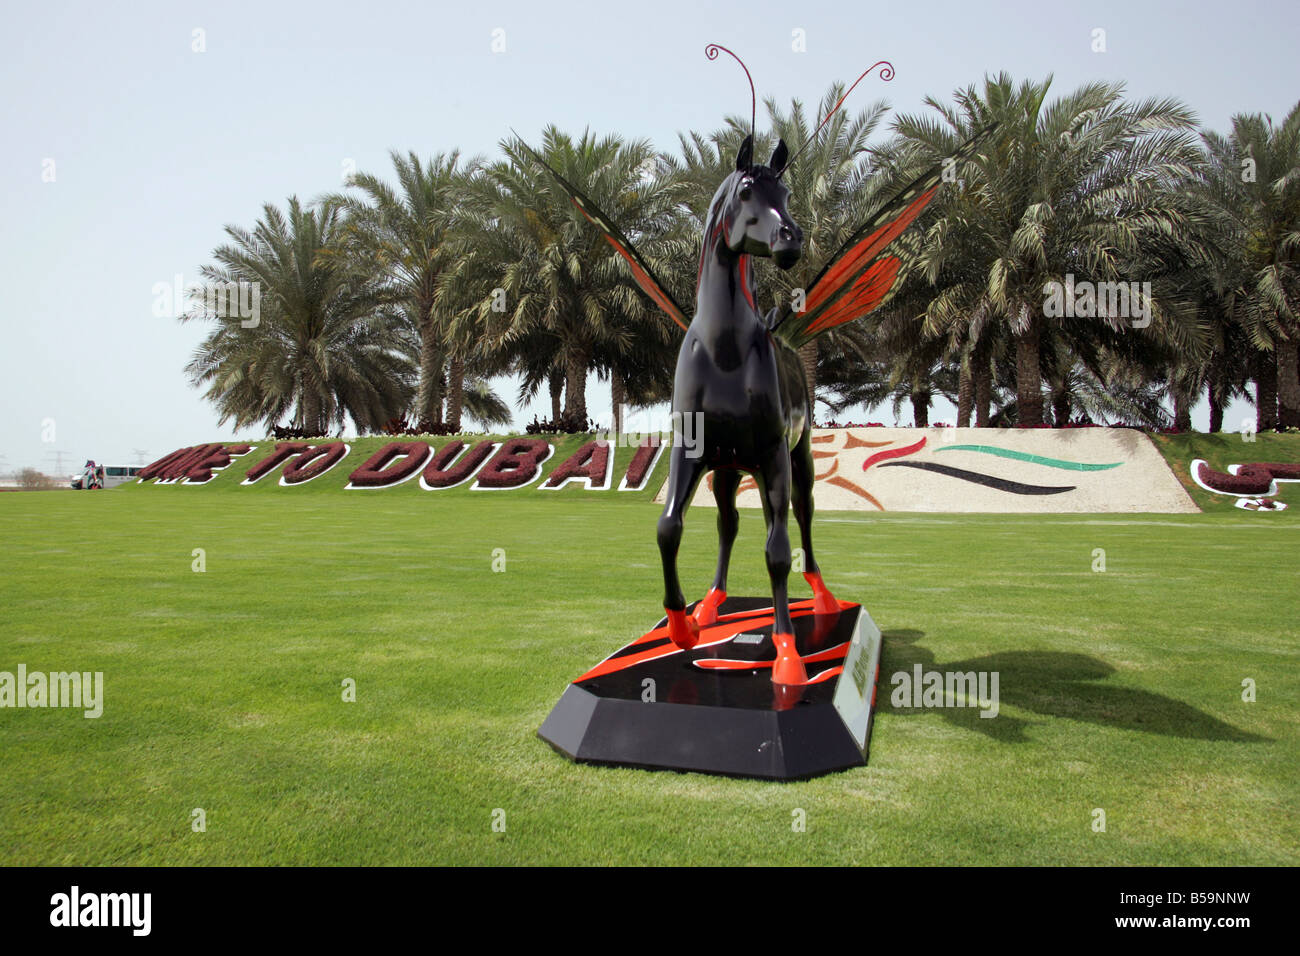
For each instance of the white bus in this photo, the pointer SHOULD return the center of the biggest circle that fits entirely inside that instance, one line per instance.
(113, 476)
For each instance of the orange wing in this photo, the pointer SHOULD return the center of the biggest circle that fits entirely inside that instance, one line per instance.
(862, 273)
(646, 279)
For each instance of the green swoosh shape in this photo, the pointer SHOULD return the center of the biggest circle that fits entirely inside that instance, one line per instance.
(1035, 459)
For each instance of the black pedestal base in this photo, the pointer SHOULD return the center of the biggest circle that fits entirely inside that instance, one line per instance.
(714, 708)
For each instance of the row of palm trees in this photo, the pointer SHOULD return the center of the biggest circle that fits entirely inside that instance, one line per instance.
(405, 298)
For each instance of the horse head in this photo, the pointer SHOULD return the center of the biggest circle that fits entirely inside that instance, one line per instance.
(751, 207)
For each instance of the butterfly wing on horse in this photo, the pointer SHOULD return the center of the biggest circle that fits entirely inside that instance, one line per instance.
(863, 272)
(646, 279)
(855, 282)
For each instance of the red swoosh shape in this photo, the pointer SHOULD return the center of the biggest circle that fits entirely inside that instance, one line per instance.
(892, 453)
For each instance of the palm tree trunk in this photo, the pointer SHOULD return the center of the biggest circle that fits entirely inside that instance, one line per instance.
(617, 395)
(965, 392)
(1288, 385)
(1265, 392)
(921, 409)
(575, 385)
(983, 375)
(428, 403)
(808, 356)
(455, 393)
(1212, 392)
(1029, 377)
(1182, 410)
(556, 383)
(1061, 407)
(311, 413)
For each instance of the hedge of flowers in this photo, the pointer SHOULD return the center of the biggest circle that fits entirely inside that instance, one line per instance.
(382, 469)
(590, 462)
(517, 463)
(172, 466)
(201, 470)
(1255, 478)
(440, 473)
(283, 452)
(313, 463)
(194, 464)
(641, 461)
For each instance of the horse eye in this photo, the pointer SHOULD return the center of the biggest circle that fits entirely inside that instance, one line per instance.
(746, 194)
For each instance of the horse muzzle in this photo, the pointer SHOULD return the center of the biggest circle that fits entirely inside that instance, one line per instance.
(788, 246)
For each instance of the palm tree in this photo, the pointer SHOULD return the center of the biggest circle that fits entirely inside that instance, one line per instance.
(323, 348)
(570, 304)
(401, 237)
(1071, 187)
(1253, 179)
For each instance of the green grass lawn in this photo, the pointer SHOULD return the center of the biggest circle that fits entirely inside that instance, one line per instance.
(1120, 690)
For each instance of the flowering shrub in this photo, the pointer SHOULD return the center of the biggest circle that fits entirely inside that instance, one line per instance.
(425, 426)
(283, 452)
(1287, 471)
(173, 466)
(380, 469)
(219, 457)
(516, 464)
(590, 462)
(1252, 479)
(640, 464)
(564, 425)
(291, 431)
(155, 469)
(313, 463)
(437, 474)
(193, 464)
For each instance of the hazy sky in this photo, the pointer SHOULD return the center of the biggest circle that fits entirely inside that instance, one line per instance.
(153, 147)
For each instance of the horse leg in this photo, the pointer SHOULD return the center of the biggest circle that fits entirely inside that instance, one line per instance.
(683, 475)
(774, 486)
(725, 483)
(803, 475)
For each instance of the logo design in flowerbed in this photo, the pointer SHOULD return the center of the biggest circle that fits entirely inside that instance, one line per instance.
(1254, 485)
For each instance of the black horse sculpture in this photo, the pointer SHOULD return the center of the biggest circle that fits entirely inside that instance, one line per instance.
(739, 377)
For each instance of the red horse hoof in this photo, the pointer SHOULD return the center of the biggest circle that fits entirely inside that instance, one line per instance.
(823, 601)
(788, 666)
(683, 631)
(706, 612)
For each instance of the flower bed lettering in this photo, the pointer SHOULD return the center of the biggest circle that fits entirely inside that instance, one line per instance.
(383, 467)
(643, 461)
(589, 464)
(1255, 478)
(194, 464)
(441, 473)
(313, 463)
(518, 462)
(283, 452)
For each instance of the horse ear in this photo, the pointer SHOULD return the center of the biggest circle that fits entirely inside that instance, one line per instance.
(779, 157)
(745, 158)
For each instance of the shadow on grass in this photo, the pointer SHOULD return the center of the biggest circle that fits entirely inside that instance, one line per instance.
(1052, 683)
